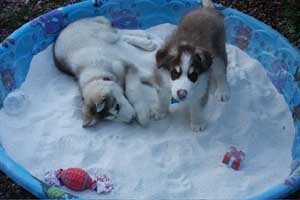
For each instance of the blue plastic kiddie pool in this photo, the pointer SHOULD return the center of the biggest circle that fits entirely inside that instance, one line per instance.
(280, 59)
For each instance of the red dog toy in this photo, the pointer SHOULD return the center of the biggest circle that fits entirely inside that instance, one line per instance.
(78, 180)
(233, 158)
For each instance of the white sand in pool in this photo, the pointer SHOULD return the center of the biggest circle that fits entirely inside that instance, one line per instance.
(165, 160)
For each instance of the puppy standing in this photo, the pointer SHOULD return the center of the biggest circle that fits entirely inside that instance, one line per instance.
(192, 57)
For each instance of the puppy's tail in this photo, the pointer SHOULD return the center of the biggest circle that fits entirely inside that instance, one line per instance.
(207, 4)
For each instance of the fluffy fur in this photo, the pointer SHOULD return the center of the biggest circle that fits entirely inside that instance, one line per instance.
(191, 58)
(92, 51)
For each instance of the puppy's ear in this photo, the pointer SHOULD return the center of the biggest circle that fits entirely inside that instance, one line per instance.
(100, 106)
(203, 57)
(161, 55)
(88, 121)
(88, 118)
(164, 58)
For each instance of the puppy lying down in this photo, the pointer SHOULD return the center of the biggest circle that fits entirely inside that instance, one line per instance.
(111, 85)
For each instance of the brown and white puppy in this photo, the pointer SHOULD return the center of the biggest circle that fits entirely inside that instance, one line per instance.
(96, 54)
(193, 56)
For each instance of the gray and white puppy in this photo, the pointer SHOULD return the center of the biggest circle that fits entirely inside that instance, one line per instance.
(96, 54)
(192, 57)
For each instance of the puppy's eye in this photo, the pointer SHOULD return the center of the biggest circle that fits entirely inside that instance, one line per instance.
(163, 66)
(117, 107)
(110, 117)
(175, 74)
(193, 76)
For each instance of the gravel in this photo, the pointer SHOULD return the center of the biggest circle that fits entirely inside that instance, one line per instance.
(14, 13)
(10, 190)
(270, 12)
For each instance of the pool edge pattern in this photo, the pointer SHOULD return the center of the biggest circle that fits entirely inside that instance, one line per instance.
(280, 59)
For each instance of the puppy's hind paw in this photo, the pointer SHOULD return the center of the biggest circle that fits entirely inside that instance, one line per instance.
(198, 127)
(141, 43)
(149, 45)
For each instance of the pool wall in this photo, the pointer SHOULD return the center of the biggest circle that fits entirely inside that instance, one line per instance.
(280, 59)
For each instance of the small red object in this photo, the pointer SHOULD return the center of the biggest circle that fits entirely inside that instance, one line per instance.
(78, 179)
(75, 179)
(233, 158)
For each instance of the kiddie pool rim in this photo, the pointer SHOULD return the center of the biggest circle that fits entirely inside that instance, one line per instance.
(279, 57)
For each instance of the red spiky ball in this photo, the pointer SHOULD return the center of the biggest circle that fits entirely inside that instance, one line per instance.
(75, 179)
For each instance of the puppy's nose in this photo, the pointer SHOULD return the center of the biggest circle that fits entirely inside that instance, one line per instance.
(182, 94)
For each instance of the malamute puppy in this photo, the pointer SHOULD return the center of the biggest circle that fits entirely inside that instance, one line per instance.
(191, 58)
(93, 52)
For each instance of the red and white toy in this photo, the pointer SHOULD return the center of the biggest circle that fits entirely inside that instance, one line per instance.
(233, 158)
(78, 180)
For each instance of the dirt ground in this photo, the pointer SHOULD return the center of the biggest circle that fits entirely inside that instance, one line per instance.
(14, 13)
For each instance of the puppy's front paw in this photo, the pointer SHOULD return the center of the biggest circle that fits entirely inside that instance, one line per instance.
(222, 95)
(198, 127)
(143, 118)
(131, 115)
(142, 114)
(158, 115)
